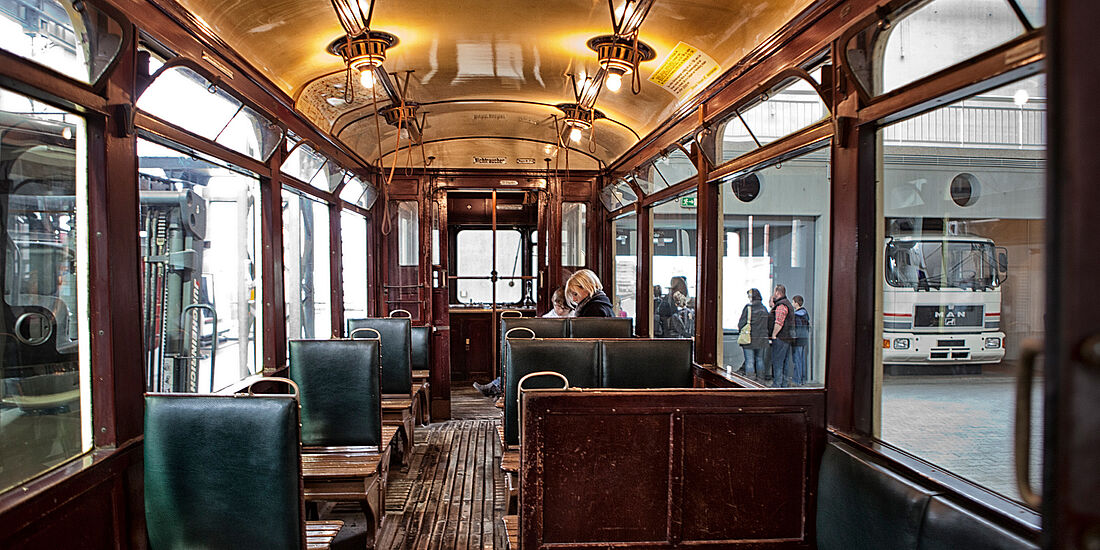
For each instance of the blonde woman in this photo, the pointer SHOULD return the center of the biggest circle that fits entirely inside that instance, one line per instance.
(584, 290)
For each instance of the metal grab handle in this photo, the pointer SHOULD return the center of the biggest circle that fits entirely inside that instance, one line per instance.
(377, 335)
(1029, 351)
(507, 311)
(213, 337)
(508, 334)
(393, 314)
(520, 390)
(287, 381)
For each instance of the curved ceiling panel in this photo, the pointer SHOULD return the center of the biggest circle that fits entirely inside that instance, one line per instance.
(488, 50)
(495, 153)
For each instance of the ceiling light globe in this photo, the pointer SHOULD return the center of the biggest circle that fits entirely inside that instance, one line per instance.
(366, 77)
(614, 81)
(576, 135)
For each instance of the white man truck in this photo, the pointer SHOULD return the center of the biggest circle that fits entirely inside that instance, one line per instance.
(942, 300)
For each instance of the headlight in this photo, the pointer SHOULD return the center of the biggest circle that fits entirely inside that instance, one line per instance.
(901, 343)
(992, 343)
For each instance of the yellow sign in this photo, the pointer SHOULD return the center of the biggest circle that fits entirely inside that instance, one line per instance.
(684, 69)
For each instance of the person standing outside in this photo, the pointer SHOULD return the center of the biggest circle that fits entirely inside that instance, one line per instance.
(800, 333)
(754, 321)
(780, 338)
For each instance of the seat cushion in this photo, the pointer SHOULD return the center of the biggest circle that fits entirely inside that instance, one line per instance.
(948, 526)
(421, 348)
(222, 472)
(576, 359)
(396, 351)
(339, 383)
(601, 327)
(645, 363)
(863, 506)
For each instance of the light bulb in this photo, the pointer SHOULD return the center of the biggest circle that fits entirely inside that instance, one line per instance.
(366, 78)
(1020, 97)
(614, 81)
(575, 135)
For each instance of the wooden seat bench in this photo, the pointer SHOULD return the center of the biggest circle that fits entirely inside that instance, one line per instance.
(319, 534)
(511, 531)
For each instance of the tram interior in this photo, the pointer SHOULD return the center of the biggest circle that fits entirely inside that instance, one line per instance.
(824, 227)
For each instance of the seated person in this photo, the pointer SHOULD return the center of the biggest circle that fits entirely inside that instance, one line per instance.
(561, 309)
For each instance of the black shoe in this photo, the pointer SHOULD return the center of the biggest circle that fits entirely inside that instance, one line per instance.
(485, 389)
(741, 371)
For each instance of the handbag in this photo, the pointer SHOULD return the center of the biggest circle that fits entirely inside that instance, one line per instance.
(744, 338)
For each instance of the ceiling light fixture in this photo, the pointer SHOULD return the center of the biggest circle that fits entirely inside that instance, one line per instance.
(620, 57)
(578, 119)
(362, 49)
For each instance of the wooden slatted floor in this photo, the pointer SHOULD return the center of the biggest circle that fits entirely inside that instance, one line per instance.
(453, 494)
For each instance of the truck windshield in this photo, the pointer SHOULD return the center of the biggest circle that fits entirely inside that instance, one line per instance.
(928, 265)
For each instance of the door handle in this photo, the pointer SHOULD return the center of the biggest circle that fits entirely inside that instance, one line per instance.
(1029, 352)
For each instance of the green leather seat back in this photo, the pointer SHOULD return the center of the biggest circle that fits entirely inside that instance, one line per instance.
(222, 472)
(576, 359)
(646, 363)
(421, 348)
(601, 327)
(543, 327)
(396, 351)
(863, 506)
(947, 526)
(339, 384)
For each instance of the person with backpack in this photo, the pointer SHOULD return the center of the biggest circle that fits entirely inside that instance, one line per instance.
(801, 338)
(753, 334)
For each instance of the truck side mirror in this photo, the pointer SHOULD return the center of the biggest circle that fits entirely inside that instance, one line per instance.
(1002, 262)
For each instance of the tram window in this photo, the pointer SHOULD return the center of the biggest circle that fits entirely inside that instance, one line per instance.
(353, 237)
(474, 258)
(785, 109)
(306, 280)
(778, 234)
(949, 24)
(574, 235)
(675, 166)
(408, 233)
(625, 230)
(183, 97)
(617, 195)
(45, 386)
(962, 280)
(201, 264)
(402, 283)
(673, 268)
(78, 42)
(359, 192)
(309, 166)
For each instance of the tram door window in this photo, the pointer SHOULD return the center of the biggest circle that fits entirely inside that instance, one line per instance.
(474, 265)
(45, 387)
(200, 270)
(402, 283)
(306, 281)
(625, 292)
(574, 235)
(962, 285)
(354, 246)
(673, 267)
(776, 232)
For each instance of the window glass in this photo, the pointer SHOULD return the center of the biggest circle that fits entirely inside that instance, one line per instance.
(309, 166)
(617, 195)
(306, 281)
(474, 258)
(574, 235)
(625, 292)
(72, 38)
(962, 247)
(675, 166)
(649, 179)
(182, 97)
(356, 272)
(201, 264)
(775, 231)
(934, 35)
(673, 268)
(359, 192)
(45, 386)
(402, 283)
(787, 108)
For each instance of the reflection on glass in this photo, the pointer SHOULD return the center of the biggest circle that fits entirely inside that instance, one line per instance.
(353, 239)
(673, 268)
(962, 260)
(776, 232)
(73, 38)
(574, 235)
(45, 412)
(675, 166)
(788, 108)
(201, 271)
(625, 296)
(306, 266)
(359, 192)
(617, 195)
(183, 97)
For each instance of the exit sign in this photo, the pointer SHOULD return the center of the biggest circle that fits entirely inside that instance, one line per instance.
(687, 202)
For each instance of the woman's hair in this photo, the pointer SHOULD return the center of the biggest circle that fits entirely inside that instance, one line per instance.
(756, 294)
(586, 280)
(679, 283)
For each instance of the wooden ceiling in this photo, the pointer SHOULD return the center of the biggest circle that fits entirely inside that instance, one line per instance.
(487, 73)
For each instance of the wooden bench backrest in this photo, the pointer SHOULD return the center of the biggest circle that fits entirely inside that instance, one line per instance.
(223, 472)
(706, 468)
(340, 384)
